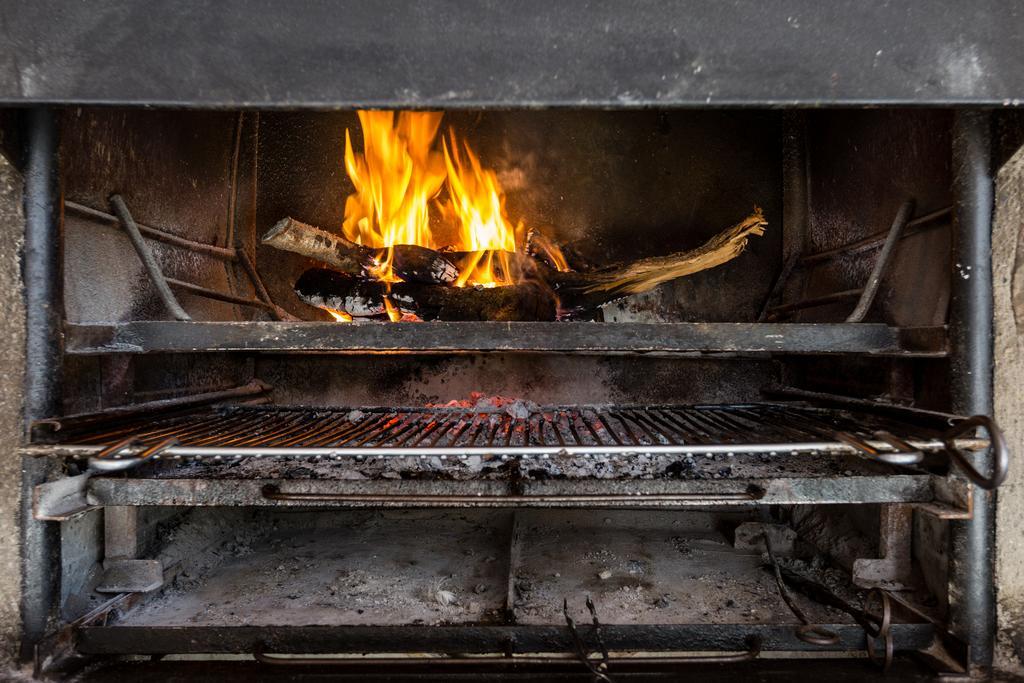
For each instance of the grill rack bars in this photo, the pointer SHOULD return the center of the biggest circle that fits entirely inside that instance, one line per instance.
(512, 431)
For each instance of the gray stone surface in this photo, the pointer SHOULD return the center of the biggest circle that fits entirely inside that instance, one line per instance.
(12, 355)
(1008, 280)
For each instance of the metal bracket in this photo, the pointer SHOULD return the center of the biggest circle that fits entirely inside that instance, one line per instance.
(131, 576)
(894, 570)
(122, 572)
(62, 499)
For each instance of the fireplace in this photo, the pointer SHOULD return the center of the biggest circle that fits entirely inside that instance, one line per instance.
(532, 386)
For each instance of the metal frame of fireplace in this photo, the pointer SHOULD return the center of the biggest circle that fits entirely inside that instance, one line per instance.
(351, 79)
(648, 429)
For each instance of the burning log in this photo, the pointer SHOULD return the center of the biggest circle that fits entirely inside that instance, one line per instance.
(542, 290)
(410, 262)
(504, 265)
(583, 291)
(529, 301)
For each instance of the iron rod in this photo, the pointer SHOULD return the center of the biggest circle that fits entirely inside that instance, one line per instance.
(261, 291)
(920, 224)
(199, 290)
(273, 492)
(832, 297)
(503, 661)
(208, 447)
(44, 347)
(161, 406)
(148, 261)
(867, 297)
(972, 598)
(154, 233)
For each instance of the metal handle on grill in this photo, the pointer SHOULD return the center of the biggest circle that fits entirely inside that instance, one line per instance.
(109, 460)
(752, 652)
(1000, 451)
(274, 492)
(904, 454)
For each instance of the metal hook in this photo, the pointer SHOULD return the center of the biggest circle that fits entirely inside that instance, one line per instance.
(813, 634)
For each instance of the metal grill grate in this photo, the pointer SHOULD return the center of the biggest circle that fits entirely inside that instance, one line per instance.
(513, 430)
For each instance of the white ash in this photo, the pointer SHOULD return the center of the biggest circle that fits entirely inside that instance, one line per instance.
(521, 410)
(633, 466)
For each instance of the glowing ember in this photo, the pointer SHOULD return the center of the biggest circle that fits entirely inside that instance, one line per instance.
(399, 178)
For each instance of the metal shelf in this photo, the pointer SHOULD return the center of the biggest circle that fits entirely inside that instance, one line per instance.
(462, 337)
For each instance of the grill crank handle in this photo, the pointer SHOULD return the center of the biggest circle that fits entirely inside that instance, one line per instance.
(1000, 451)
(115, 458)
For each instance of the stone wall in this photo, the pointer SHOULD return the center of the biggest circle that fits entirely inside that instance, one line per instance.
(12, 356)
(1008, 286)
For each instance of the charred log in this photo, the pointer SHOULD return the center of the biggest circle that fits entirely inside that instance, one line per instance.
(410, 262)
(542, 292)
(505, 265)
(563, 257)
(530, 301)
(413, 263)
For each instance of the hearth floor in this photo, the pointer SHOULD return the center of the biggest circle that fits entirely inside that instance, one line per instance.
(434, 567)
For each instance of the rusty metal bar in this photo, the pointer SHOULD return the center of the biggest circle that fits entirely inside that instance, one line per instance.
(162, 406)
(257, 284)
(274, 492)
(832, 297)
(503, 660)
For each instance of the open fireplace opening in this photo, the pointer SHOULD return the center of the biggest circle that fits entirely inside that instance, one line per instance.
(563, 214)
(547, 388)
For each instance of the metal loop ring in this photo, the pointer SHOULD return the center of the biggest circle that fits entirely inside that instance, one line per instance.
(1000, 451)
(884, 629)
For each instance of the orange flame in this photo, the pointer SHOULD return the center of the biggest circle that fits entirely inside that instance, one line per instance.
(339, 316)
(478, 204)
(398, 177)
(395, 177)
(394, 315)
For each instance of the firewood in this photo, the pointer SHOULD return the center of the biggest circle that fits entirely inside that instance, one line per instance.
(410, 262)
(520, 266)
(585, 291)
(529, 301)
(544, 294)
